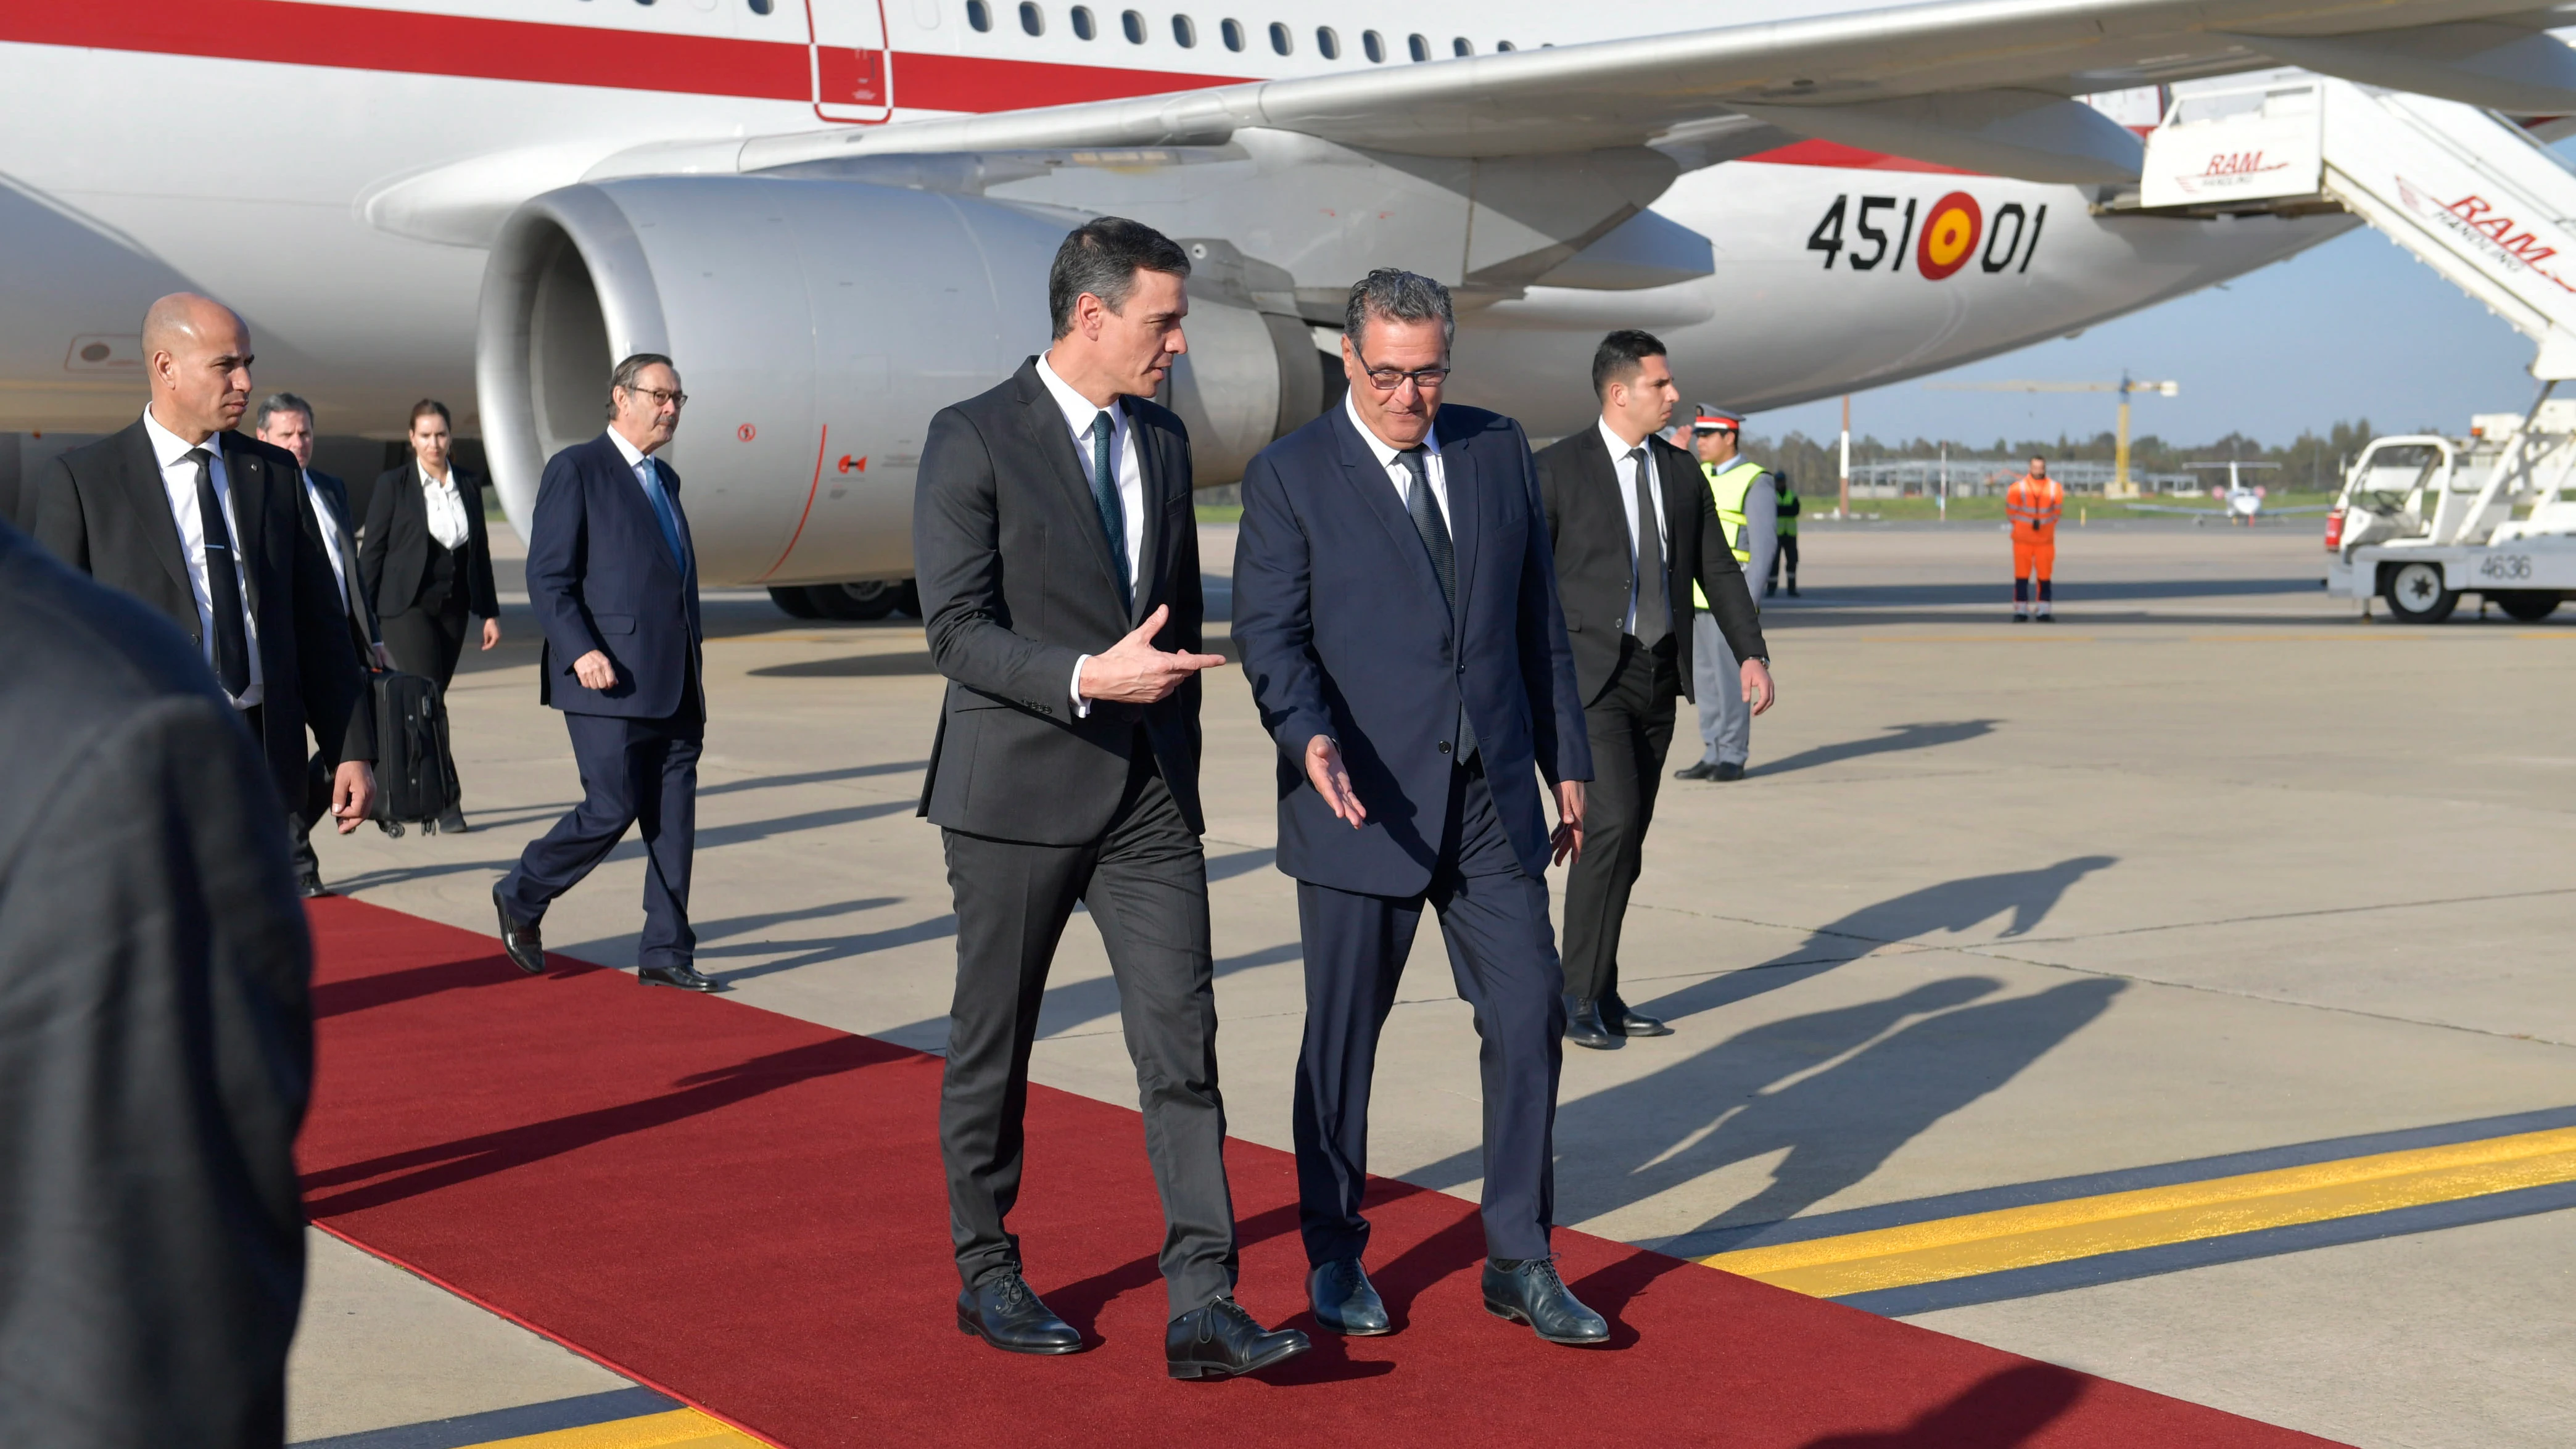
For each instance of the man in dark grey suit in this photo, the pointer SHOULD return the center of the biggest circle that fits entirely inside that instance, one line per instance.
(1058, 561)
(156, 1045)
(286, 421)
(1634, 530)
(210, 528)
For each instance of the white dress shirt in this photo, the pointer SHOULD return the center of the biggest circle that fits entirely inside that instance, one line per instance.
(179, 481)
(1401, 476)
(446, 508)
(1625, 469)
(1079, 415)
(329, 525)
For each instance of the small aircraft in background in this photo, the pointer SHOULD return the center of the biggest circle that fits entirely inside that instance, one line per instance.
(2239, 502)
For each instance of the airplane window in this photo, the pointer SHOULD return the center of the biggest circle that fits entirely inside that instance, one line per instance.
(1033, 19)
(1420, 47)
(1327, 42)
(1134, 24)
(1280, 40)
(979, 14)
(1505, 45)
(1184, 34)
(1231, 31)
(761, 7)
(1083, 29)
(1375, 47)
(1461, 46)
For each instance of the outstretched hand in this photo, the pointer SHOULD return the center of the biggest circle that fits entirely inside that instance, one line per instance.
(1133, 671)
(1324, 771)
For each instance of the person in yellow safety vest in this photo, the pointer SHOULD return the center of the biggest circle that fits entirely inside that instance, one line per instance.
(1748, 506)
(2032, 504)
(1786, 559)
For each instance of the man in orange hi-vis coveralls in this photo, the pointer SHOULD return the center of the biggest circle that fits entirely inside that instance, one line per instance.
(2032, 503)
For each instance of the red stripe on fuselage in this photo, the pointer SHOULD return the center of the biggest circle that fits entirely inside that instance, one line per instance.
(346, 37)
(1839, 157)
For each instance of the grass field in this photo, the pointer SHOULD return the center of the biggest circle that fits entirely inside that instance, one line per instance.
(2079, 510)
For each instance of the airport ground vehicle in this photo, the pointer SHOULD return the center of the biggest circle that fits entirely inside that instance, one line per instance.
(2424, 519)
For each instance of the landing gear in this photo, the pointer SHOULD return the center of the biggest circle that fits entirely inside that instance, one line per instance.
(794, 603)
(2529, 606)
(853, 603)
(2416, 593)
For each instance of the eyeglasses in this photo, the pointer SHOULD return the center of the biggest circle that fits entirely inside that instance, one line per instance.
(1388, 379)
(659, 397)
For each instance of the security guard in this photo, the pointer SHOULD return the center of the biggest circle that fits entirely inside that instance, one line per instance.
(1748, 504)
(2033, 503)
(1787, 557)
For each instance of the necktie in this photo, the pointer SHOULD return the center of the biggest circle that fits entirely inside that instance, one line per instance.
(1654, 605)
(223, 583)
(1113, 509)
(662, 513)
(1444, 562)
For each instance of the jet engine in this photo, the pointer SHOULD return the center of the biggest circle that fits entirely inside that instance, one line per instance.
(817, 325)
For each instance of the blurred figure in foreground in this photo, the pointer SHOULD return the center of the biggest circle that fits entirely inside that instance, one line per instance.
(155, 1035)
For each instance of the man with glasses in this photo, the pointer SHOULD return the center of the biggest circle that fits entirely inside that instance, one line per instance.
(613, 581)
(1396, 608)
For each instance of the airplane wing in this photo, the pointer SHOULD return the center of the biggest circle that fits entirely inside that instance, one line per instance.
(2183, 512)
(1978, 84)
(2286, 512)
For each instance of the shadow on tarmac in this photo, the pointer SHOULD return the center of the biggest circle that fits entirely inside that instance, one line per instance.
(1897, 738)
(1953, 906)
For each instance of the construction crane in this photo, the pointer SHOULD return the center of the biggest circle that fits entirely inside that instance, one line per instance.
(2121, 487)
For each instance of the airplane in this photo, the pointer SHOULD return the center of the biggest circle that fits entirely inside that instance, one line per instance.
(2239, 502)
(837, 214)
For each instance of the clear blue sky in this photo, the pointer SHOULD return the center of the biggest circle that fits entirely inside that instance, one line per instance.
(2354, 328)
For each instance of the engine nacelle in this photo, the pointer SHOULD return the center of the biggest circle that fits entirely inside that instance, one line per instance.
(818, 325)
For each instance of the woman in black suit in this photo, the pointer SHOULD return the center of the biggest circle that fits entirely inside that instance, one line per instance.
(427, 560)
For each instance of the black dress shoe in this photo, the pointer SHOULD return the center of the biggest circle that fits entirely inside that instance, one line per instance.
(1584, 1027)
(1002, 1311)
(309, 885)
(1700, 771)
(1529, 1291)
(1221, 1341)
(519, 939)
(1727, 770)
(687, 978)
(1616, 1016)
(1344, 1300)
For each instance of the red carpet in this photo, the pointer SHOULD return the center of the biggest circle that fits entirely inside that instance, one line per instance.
(747, 1211)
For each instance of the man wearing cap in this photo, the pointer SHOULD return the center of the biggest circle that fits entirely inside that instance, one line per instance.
(1749, 509)
(1630, 524)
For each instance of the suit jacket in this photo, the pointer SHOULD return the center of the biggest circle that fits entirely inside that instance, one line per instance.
(1587, 520)
(1344, 633)
(1016, 584)
(600, 577)
(395, 561)
(101, 508)
(364, 632)
(155, 1034)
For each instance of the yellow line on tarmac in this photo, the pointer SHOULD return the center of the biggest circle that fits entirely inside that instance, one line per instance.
(2085, 1227)
(678, 1429)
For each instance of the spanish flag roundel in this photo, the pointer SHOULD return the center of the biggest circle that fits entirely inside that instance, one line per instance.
(1949, 235)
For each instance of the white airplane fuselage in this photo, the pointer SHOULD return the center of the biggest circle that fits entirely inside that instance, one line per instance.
(263, 151)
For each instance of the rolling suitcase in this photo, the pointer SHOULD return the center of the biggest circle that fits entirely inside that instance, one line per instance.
(414, 784)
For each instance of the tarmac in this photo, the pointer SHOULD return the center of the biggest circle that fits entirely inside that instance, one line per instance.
(2211, 868)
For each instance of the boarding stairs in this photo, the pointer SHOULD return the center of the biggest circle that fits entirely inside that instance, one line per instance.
(2472, 194)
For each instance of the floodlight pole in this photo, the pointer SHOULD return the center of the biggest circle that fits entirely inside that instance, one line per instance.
(2120, 486)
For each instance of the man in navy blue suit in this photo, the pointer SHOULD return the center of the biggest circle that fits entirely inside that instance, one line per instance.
(1395, 604)
(614, 583)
